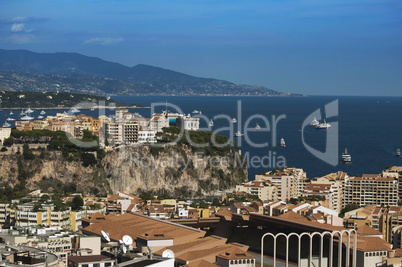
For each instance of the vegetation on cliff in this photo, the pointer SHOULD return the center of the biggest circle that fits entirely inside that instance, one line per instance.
(179, 170)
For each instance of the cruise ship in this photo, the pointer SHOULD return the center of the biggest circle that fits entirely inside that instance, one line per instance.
(398, 152)
(238, 134)
(323, 125)
(211, 123)
(346, 158)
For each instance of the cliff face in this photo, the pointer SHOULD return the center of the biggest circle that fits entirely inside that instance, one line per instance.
(176, 170)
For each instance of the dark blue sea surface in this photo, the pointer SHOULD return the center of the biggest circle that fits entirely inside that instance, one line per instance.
(369, 127)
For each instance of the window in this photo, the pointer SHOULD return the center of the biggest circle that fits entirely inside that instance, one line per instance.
(108, 264)
(84, 265)
(96, 264)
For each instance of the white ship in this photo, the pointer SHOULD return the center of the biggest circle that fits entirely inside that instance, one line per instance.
(323, 125)
(314, 122)
(27, 118)
(195, 112)
(10, 119)
(257, 128)
(22, 113)
(29, 110)
(346, 158)
(211, 123)
(238, 134)
(40, 117)
(75, 110)
(398, 152)
(11, 113)
(234, 120)
(6, 125)
(283, 144)
(42, 112)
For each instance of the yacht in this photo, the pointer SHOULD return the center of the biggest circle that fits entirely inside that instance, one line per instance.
(6, 125)
(346, 158)
(211, 123)
(234, 120)
(195, 112)
(40, 117)
(11, 113)
(10, 119)
(323, 125)
(75, 110)
(257, 128)
(92, 109)
(22, 113)
(314, 122)
(200, 112)
(398, 152)
(283, 144)
(29, 110)
(27, 118)
(238, 134)
(42, 112)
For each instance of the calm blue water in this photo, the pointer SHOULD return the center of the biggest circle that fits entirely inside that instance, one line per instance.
(370, 127)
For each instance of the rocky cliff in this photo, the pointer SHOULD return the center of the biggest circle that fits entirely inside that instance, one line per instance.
(176, 170)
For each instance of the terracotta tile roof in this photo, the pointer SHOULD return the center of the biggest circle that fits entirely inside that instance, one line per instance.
(293, 216)
(371, 244)
(235, 254)
(89, 258)
(366, 230)
(206, 242)
(197, 254)
(134, 225)
(398, 253)
(94, 218)
(200, 263)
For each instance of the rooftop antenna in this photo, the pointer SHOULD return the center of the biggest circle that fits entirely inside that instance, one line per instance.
(150, 252)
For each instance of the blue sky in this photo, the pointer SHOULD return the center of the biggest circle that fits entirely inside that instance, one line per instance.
(320, 47)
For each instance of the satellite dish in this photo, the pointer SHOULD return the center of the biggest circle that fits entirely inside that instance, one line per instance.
(168, 254)
(105, 236)
(121, 242)
(124, 249)
(127, 240)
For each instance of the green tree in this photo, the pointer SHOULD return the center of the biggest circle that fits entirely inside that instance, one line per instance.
(77, 203)
(8, 141)
(348, 207)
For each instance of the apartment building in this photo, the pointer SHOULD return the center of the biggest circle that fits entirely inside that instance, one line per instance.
(4, 134)
(372, 189)
(328, 188)
(289, 181)
(265, 190)
(146, 136)
(188, 122)
(130, 134)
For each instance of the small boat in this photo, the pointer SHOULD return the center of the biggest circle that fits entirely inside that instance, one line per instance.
(314, 122)
(11, 113)
(42, 112)
(200, 112)
(27, 118)
(211, 123)
(283, 144)
(346, 158)
(398, 152)
(257, 128)
(29, 110)
(75, 110)
(323, 125)
(40, 117)
(234, 120)
(6, 125)
(195, 112)
(92, 109)
(238, 134)
(22, 113)
(10, 119)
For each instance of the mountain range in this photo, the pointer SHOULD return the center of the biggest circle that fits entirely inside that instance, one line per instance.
(72, 72)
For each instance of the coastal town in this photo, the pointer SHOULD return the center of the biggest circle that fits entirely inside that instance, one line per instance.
(80, 229)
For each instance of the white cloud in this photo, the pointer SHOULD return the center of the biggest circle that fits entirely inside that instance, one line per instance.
(103, 40)
(18, 19)
(20, 27)
(17, 27)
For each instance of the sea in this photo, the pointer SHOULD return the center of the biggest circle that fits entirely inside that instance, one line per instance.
(370, 128)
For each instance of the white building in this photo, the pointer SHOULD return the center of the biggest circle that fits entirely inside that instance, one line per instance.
(4, 134)
(188, 122)
(146, 136)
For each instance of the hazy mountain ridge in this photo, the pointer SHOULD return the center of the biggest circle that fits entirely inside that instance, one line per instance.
(78, 73)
